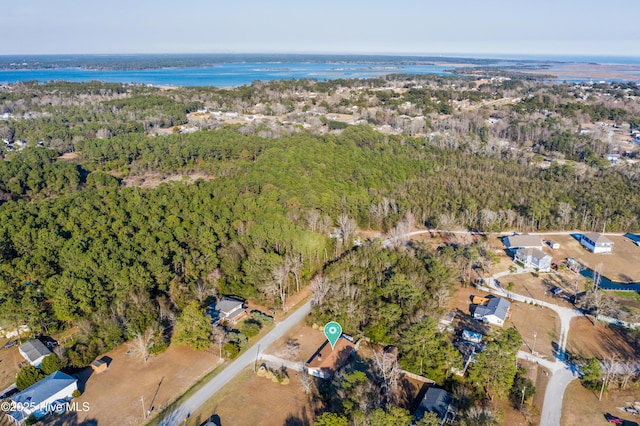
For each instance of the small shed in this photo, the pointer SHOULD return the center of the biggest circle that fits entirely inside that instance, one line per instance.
(554, 245)
(99, 365)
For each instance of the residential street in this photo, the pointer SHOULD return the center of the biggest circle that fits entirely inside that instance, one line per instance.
(184, 411)
(561, 373)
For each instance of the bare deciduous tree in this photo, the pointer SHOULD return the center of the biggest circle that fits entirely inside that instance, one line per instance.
(143, 342)
(388, 372)
(348, 226)
(320, 287)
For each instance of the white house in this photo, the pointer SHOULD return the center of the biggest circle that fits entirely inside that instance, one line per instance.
(596, 243)
(38, 399)
(494, 312)
(533, 258)
(34, 351)
(523, 241)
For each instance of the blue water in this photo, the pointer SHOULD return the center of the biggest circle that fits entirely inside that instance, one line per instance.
(221, 75)
(238, 70)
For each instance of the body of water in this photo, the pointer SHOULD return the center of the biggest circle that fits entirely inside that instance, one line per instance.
(238, 70)
(221, 75)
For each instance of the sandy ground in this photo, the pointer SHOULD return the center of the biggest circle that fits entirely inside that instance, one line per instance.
(115, 396)
(10, 359)
(152, 180)
(254, 401)
(600, 342)
(622, 265)
(581, 406)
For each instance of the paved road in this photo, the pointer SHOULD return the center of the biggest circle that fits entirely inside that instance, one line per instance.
(249, 357)
(561, 372)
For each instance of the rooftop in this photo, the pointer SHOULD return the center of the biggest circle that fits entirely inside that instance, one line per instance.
(44, 389)
(33, 350)
(597, 238)
(329, 360)
(497, 306)
(437, 401)
(533, 252)
(523, 240)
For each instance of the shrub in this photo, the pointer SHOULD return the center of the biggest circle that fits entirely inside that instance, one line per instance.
(51, 363)
(76, 393)
(250, 328)
(158, 347)
(27, 376)
(230, 350)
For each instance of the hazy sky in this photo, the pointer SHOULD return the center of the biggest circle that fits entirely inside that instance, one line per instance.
(521, 27)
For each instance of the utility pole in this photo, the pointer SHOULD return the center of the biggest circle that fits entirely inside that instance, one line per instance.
(601, 389)
(533, 349)
(255, 365)
(144, 412)
(524, 389)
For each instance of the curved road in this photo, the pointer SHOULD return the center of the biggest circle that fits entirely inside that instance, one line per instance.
(562, 373)
(184, 411)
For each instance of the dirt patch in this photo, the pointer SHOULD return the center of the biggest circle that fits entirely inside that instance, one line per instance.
(152, 180)
(253, 400)
(68, 156)
(622, 265)
(10, 359)
(600, 342)
(541, 287)
(532, 320)
(581, 406)
(307, 339)
(115, 396)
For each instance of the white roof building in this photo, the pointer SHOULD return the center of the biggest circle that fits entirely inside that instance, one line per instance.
(34, 351)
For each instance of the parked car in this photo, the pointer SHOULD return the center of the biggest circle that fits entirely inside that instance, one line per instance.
(613, 419)
(10, 344)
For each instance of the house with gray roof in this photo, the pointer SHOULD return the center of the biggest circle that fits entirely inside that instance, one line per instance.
(227, 309)
(533, 258)
(494, 312)
(523, 241)
(596, 243)
(34, 351)
(41, 397)
(437, 401)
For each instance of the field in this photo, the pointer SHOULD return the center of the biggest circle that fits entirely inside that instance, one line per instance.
(581, 406)
(600, 342)
(115, 396)
(10, 358)
(540, 287)
(622, 265)
(252, 400)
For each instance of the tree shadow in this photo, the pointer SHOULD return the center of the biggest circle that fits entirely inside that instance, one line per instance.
(214, 420)
(67, 419)
(466, 322)
(83, 377)
(297, 420)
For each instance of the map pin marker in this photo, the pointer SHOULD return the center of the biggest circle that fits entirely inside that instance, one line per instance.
(333, 331)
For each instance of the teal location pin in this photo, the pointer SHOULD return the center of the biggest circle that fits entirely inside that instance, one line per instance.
(333, 331)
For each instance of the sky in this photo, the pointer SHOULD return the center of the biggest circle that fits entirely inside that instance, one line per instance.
(488, 27)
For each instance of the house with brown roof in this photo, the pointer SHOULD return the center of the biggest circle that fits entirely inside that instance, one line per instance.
(326, 361)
